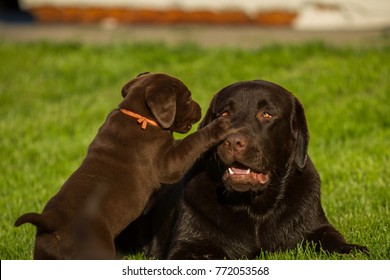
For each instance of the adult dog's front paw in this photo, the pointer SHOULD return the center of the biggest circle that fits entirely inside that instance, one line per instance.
(349, 248)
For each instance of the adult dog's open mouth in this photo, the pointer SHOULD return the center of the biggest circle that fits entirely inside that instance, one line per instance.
(238, 174)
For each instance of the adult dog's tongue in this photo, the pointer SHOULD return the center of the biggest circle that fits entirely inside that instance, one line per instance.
(238, 171)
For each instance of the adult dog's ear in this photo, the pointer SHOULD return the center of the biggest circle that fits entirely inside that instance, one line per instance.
(301, 135)
(209, 116)
(162, 103)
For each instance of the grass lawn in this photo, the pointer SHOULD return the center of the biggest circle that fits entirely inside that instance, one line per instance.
(54, 97)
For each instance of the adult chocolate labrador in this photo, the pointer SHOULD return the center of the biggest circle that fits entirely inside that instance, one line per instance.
(256, 191)
(131, 156)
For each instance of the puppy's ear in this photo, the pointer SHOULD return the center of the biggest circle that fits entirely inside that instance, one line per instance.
(301, 135)
(162, 103)
(208, 118)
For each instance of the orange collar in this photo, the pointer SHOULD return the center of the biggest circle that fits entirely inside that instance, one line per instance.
(140, 119)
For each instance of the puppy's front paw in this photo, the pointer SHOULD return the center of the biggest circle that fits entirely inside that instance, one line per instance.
(220, 128)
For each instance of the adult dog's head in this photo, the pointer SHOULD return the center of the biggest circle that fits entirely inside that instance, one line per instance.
(162, 98)
(269, 138)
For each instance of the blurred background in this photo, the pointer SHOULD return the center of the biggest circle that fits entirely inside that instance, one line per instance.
(218, 22)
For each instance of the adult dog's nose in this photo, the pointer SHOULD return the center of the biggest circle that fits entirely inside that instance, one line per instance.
(235, 142)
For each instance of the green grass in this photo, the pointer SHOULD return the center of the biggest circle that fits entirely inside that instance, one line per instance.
(54, 97)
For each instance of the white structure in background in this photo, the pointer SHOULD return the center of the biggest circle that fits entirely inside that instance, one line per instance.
(344, 14)
(312, 15)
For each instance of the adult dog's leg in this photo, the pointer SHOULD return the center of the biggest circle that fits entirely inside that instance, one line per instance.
(331, 240)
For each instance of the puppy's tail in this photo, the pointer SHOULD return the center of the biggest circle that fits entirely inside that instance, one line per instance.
(39, 220)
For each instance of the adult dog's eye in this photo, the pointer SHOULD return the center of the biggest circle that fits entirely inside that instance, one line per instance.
(265, 115)
(225, 114)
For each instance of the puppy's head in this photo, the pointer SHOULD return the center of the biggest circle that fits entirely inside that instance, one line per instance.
(163, 98)
(269, 138)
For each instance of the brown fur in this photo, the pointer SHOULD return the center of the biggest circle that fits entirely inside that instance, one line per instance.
(123, 167)
(219, 211)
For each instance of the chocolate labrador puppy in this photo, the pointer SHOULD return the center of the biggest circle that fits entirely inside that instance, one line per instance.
(133, 153)
(256, 191)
